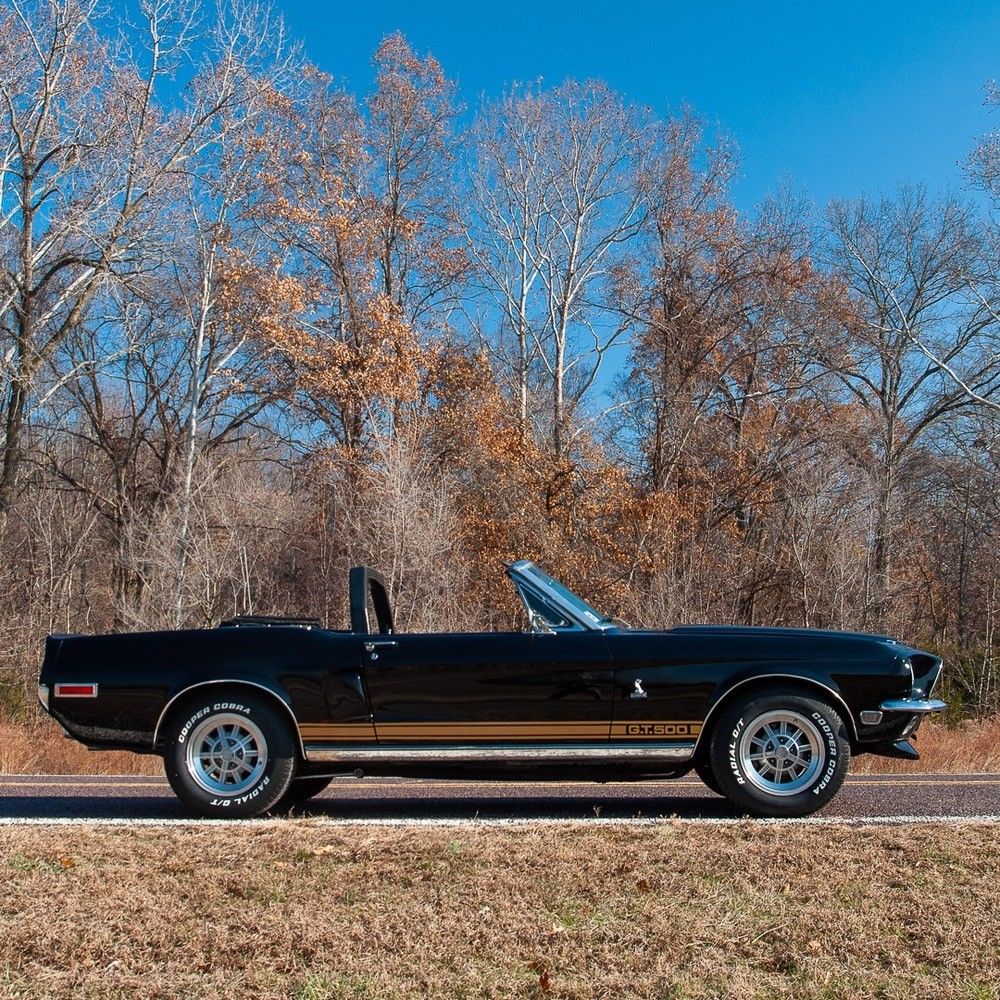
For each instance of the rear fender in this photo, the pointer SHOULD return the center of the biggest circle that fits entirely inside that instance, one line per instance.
(274, 693)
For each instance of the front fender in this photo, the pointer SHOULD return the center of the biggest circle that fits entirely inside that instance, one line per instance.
(817, 680)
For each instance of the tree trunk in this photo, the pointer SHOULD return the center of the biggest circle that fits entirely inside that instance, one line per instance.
(13, 431)
(883, 548)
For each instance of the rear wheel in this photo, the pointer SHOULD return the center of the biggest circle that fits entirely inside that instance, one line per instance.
(230, 754)
(780, 753)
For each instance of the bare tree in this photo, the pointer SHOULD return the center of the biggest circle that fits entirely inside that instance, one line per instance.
(411, 152)
(984, 161)
(399, 513)
(556, 199)
(240, 522)
(152, 360)
(983, 278)
(223, 201)
(86, 158)
(911, 324)
(683, 291)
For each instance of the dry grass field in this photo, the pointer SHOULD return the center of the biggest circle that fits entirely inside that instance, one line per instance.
(42, 749)
(968, 747)
(293, 909)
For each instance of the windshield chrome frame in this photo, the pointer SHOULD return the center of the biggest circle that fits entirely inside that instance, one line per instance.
(519, 572)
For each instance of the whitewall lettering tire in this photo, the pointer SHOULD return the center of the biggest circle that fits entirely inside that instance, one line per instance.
(780, 753)
(229, 754)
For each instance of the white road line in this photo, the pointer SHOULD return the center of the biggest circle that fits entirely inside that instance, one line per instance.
(512, 822)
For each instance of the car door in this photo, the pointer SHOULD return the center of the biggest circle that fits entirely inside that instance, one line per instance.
(496, 687)
(662, 685)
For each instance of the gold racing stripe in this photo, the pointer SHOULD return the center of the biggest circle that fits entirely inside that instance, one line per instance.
(597, 730)
(521, 731)
(354, 732)
(596, 727)
(496, 736)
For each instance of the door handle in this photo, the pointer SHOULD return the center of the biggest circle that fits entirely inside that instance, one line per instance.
(370, 647)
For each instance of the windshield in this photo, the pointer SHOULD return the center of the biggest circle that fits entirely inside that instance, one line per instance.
(564, 597)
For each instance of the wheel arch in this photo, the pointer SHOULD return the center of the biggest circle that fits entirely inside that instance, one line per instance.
(764, 681)
(229, 682)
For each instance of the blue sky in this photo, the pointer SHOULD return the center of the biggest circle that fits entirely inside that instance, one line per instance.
(839, 99)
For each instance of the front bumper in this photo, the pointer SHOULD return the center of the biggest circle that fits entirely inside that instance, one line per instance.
(890, 727)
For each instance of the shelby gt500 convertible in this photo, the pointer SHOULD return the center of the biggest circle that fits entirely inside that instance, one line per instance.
(261, 713)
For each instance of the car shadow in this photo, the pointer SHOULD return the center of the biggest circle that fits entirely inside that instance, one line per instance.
(59, 807)
(377, 807)
(499, 807)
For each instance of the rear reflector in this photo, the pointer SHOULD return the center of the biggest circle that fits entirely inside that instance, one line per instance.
(75, 691)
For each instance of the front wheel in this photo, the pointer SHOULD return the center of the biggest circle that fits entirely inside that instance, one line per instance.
(229, 755)
(782, 753)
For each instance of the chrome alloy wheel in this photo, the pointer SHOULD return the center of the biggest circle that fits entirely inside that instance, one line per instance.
(226, 754)
(781, 752)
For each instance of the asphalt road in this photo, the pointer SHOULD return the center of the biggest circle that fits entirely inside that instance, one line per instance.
(42, 798)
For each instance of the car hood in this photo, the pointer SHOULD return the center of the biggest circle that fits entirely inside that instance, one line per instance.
(789, 633)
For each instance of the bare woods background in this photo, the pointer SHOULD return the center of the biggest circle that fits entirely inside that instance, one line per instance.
(255, 328)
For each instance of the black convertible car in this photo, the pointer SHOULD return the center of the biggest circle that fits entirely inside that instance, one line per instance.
(261, 713)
